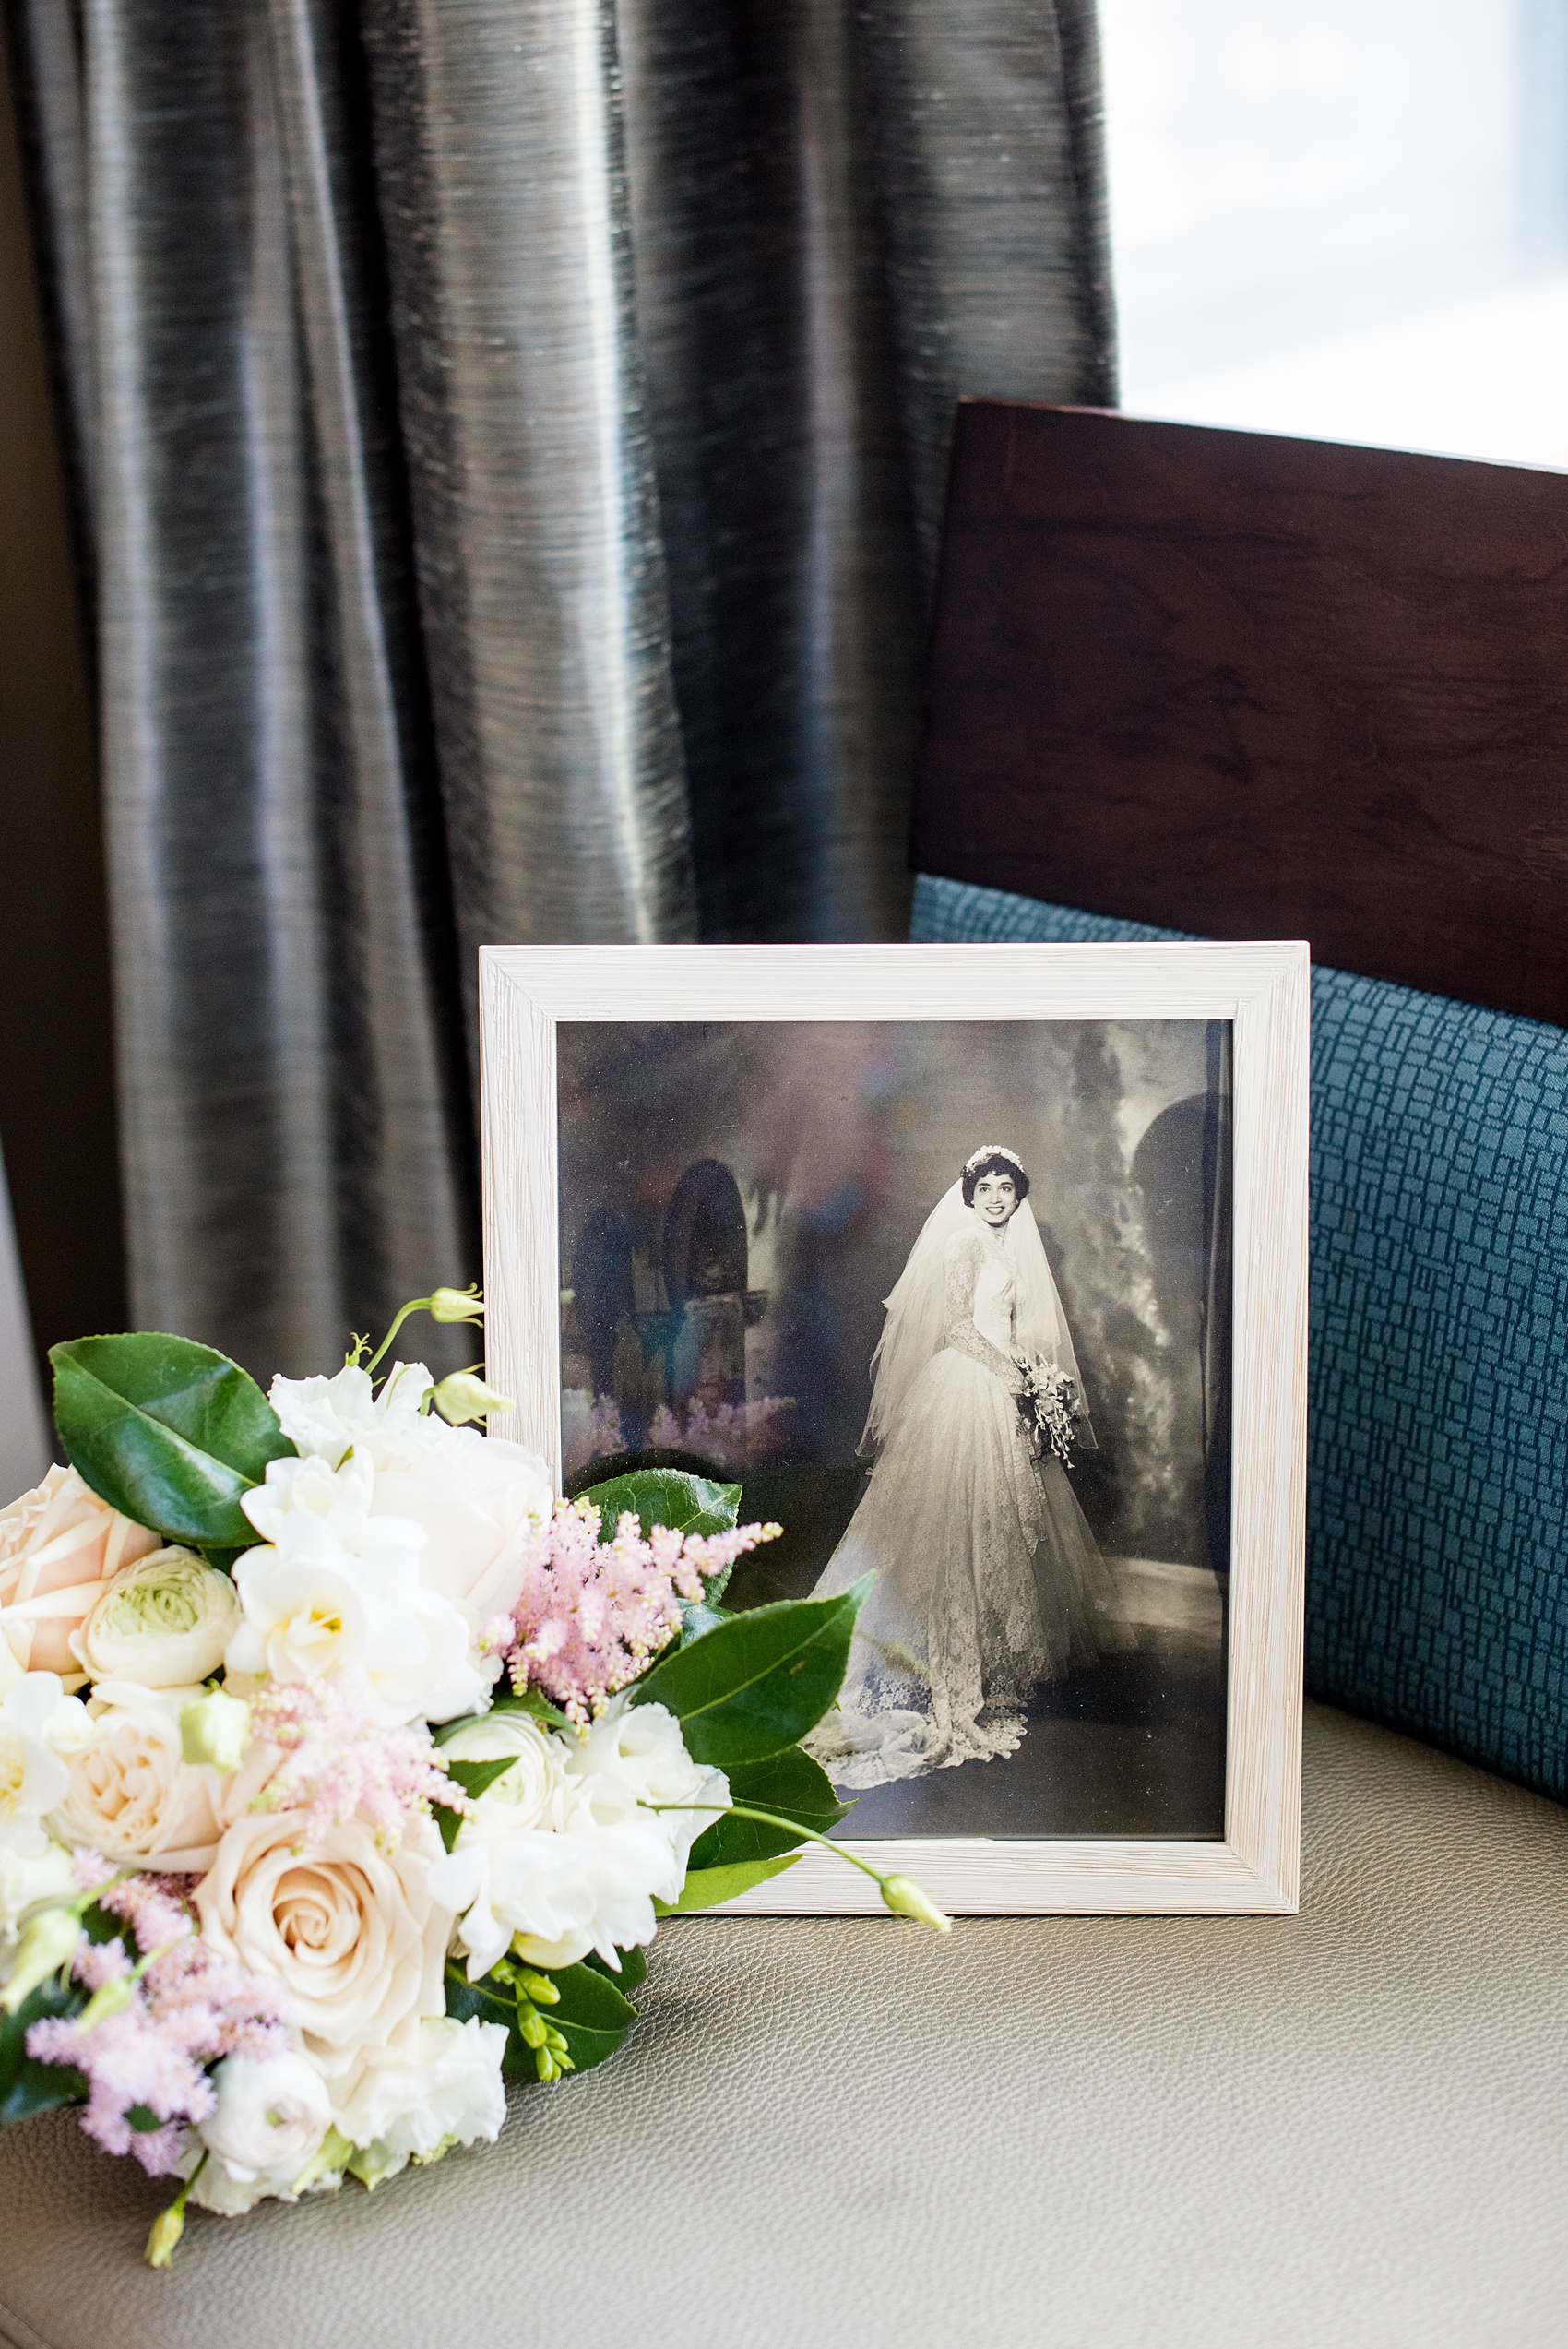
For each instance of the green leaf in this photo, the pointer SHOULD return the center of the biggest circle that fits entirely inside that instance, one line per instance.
(668, 1496)
(491, 2001)
(167, 1431)
(26, 2086)
(758, 1682)
(592, 2017)
(705, 1888)
(697, 1617)
(633, 1968)
(474, 1777)
(790, 1783)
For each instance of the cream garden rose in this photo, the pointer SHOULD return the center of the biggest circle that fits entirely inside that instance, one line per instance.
(354, 1935)
(130, 1793)
(164, 1621)
(59, 1544)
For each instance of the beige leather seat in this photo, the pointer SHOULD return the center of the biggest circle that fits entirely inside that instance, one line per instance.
(1346, 2127)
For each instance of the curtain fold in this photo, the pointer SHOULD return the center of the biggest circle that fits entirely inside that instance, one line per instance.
(512, 436)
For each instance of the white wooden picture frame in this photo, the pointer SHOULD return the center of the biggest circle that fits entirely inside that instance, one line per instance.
(525, 992)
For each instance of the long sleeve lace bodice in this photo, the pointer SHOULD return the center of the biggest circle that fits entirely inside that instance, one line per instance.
(980, 1294)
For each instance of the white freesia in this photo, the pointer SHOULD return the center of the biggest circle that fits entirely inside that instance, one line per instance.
(37, 1723)
(337, 1589)
(129, 1791)
(444, 2087)
(33, 1868)
(269, 2119)
(479, 1499)
(556, 1895)
(164, 1621)
(634, 1755)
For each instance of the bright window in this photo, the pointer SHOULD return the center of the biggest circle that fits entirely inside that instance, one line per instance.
(1347, 219)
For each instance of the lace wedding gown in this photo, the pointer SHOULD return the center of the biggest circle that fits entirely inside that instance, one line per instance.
(987, 1578)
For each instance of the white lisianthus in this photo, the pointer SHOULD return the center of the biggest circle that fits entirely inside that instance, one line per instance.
(164, 1621)
(270, 2117)
(327, 1418)
(635, 1755)
(337, 1590)
(442, 2089)
(554, 1895)
(129, 1791)
(479, 1499)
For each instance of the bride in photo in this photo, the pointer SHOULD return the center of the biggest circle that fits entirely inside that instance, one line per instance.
(987, 1578)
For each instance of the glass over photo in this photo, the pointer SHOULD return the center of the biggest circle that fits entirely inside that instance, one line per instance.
(950, 1301)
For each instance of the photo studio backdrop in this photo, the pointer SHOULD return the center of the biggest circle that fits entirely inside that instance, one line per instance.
(507, 448)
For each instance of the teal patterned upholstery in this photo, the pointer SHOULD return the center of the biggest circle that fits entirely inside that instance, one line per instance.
(1437, 1547)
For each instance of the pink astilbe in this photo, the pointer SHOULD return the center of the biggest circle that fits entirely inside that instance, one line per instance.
(188, 2007)
(591, 1613)
(337, 1764)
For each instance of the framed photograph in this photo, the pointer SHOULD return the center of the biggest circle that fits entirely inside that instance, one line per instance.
(982, 1270)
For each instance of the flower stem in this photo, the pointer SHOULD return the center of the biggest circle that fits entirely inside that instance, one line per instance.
(415, 1305)
(898, 1893)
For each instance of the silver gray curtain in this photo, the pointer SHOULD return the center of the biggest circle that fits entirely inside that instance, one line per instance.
(510, 437)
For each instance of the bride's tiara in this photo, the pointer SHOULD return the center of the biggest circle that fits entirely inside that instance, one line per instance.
(992, 1150)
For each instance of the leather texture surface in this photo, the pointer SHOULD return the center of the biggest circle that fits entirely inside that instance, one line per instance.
(1437, 1467)
(1347, 2126)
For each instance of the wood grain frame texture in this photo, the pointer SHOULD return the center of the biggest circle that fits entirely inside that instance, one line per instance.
(525, 991)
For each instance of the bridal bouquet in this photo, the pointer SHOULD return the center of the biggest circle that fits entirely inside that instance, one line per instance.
(1048, 1404)
(346, 1771)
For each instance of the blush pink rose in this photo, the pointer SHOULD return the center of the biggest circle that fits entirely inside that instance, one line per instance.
(59, 1544)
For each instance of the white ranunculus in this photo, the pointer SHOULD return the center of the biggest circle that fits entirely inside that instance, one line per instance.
(164, 1621)
(356, 1936)
(270, 2117)
(536, 1791)
(444, 2085)
(39, 1723)
(130, 1793)
(635, 1755)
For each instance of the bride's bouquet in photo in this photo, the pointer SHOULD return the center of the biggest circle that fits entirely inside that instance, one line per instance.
(346, 1771)
(1049, 1408)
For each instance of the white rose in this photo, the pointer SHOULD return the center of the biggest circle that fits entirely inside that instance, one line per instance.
(535, 1792)
(165, 1621)
(270, 2117)
(354, 1935)
(635, 1755)
(416, 2099)
(337, 1589)
(130, 1793)
(38, 1724)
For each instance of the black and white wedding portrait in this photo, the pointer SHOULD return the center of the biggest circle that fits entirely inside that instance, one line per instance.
(950, 1299)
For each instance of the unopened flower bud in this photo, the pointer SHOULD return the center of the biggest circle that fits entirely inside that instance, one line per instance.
(905, 1898)
(111, 1998)
(462, 1396)
(48, 1942)
(530, 2025)
(540, 1988)
(456, 1305)
(167, 2229)
(215, 1728)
